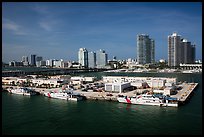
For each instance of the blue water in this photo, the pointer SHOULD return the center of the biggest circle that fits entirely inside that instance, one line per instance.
(39, 115)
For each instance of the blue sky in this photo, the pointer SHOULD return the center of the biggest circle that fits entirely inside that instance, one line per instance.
(57, 30)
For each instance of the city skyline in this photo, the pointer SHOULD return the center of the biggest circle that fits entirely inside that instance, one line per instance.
(57, 30)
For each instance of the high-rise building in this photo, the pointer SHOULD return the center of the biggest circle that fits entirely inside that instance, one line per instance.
(180, 50)
(186, 46)
(49, 62)
(174, 49)
(114, 58)
(39, 58)
(38, 61)
(25, 60)
(15, 63)
(33, 60)
(83, 57)
(91, 59)
(101, 58)
(193, 53)
(152, 51)
(145, 49)
(59, 63)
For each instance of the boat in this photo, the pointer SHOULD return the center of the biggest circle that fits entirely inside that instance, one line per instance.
(187, 71)
(9, 89)
(23, 91)
(75, 97)
(65, 95)
(60, 95)
(149, 99)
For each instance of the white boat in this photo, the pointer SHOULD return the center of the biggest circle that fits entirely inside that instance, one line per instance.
(60, 95)
(23, 91)
(149, 99)
(75, 97)
(187, 71)
(64, 95)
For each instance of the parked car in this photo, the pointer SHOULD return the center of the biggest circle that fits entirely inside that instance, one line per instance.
(109, 94)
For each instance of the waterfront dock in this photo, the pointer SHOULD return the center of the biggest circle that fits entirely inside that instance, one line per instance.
(182, 95)
(89, 95)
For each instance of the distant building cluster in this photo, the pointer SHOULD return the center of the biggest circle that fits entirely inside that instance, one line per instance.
(98, 59)
(180, 50)
(37, 61)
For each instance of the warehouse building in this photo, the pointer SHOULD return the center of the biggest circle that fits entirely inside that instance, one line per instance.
(117, 87)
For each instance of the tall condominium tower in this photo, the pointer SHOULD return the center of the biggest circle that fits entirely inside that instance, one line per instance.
(83, 57)
(174, 49)
(180, 50)
(33, 60)
(187, 52)
(49, 62)
(152, 51)
(39, 60)
(91, 59)
(25, 60)
(145, 49)
(101, 58)
(193, 53)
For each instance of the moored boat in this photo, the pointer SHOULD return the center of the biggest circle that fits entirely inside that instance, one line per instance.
(149, 99)
(66, 95)
(23, 91)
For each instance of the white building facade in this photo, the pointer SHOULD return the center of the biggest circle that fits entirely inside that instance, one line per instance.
(83, 57)
(116, 87)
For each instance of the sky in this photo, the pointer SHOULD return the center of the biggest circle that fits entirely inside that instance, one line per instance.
(56, 30)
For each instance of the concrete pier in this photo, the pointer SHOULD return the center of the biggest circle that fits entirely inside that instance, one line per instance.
(182, 94)
(185, 92)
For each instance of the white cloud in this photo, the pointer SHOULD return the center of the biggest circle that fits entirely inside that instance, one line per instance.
(10, 26)
(40, 9)
(48, 24)
(48, 19)
(45, 25)
(13, 27)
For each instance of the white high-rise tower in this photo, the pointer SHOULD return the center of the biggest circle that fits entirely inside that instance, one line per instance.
(83, 57)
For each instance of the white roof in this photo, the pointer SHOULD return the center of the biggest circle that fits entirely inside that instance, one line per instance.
(118, 83)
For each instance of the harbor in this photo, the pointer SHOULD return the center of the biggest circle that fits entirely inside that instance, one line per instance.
(96, 108)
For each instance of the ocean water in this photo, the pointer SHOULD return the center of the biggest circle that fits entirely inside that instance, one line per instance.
(39, 115)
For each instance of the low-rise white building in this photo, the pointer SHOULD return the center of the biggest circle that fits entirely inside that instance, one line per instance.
(155, 82)
(51, 82)
(158, 91)
(171, 80)
(9, 80)
(116, 87)
(21, 80)
(89, 79)
(139, 83)
(81, 80)
(168, 90)
(169, 84)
